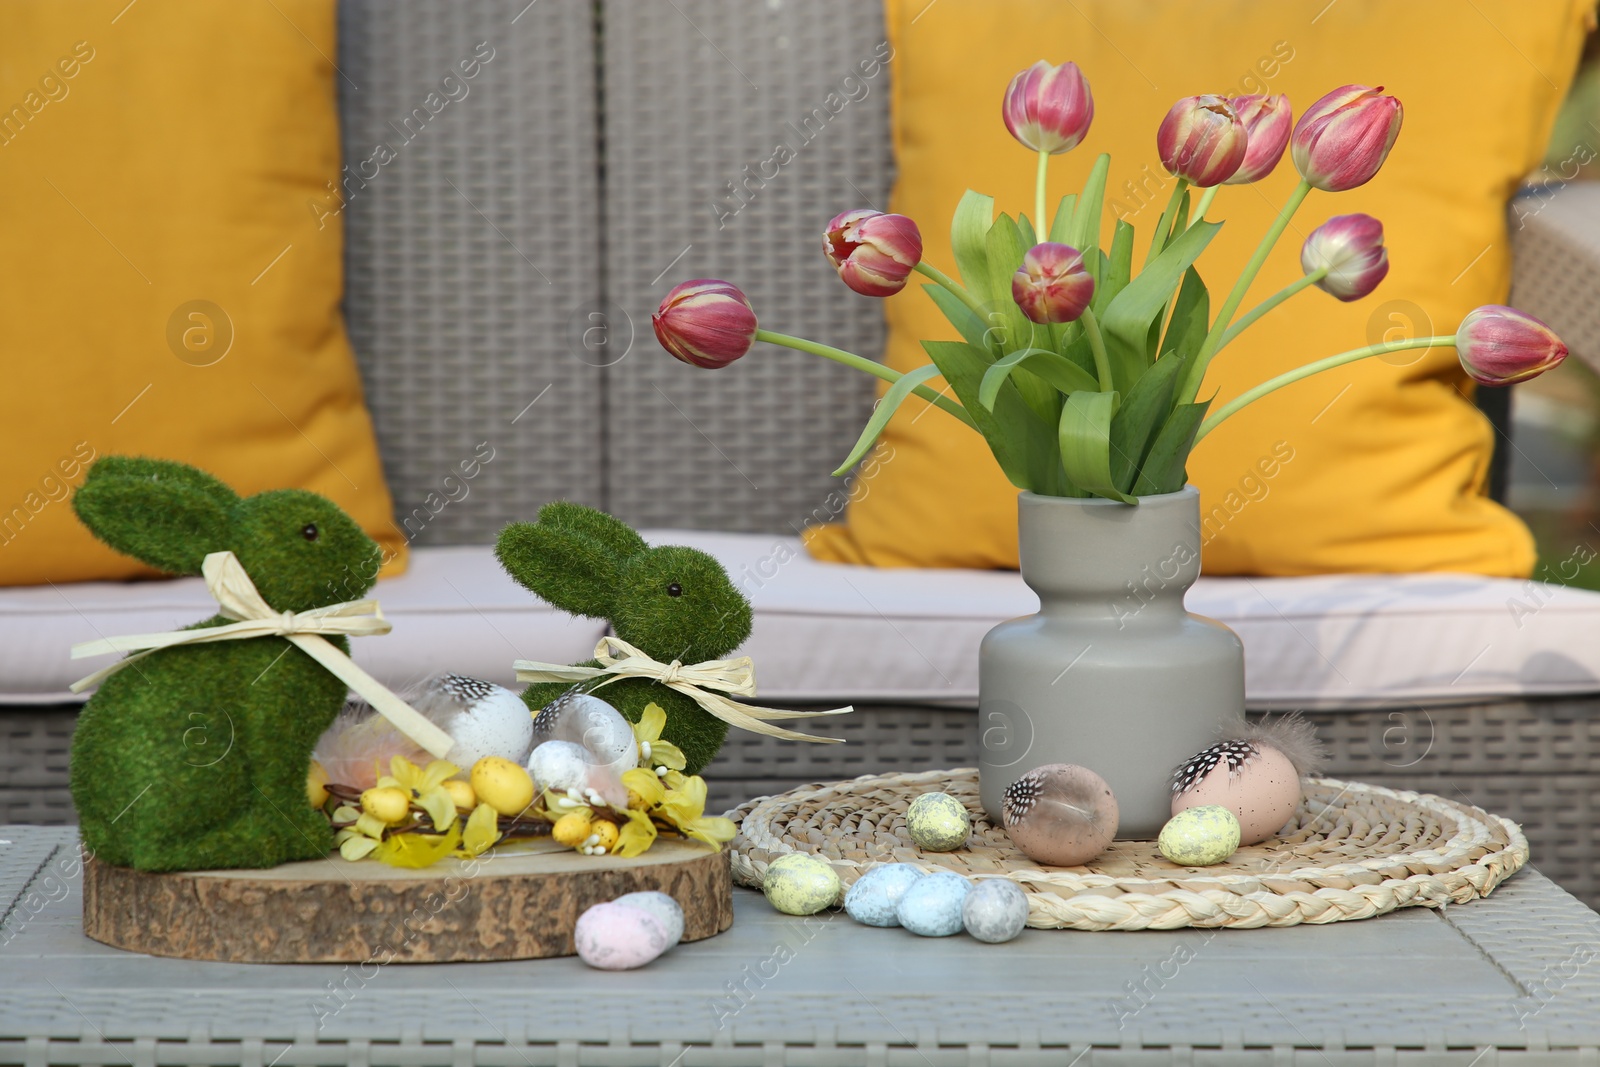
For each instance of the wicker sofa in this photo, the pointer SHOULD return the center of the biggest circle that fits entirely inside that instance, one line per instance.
(500, 275)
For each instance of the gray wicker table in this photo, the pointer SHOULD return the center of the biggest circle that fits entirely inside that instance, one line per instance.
(1511, 979)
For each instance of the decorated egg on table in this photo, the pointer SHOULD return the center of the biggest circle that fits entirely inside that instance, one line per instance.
(616, 937)
(800, 884)
(995, 911)
(667, 911)
(1200, 837)
(1060, 814)
(931, 907)
(1257, 776)
(938, 822)
(874, 899)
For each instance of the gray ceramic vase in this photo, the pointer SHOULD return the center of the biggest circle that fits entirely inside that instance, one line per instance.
(1112, 673)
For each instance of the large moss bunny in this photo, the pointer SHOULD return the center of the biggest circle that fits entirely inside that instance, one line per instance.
(670, 602)
(196, 756)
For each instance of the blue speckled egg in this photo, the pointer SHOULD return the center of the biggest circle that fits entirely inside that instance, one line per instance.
(996, 910)
(932, 906)
(875, 896)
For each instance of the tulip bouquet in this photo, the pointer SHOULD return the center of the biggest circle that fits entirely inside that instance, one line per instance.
(1082, 376)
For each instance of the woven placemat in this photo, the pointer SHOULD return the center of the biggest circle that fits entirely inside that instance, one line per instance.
(1352, 851)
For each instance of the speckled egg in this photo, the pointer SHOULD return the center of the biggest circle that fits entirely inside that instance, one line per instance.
(666, 911)
(615, 937)
(1060, 814)
(875, 897)
(996, 910)
(932, 906)
(1255, 781)
(1199, 837)
(938, 822)
(800, 884)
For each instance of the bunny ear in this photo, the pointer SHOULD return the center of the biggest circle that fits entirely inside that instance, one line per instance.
(573, 572)
(165, 514)
(611, 532)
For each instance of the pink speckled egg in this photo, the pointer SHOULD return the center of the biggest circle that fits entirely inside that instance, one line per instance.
(616, 937)
(1060, 814)
(1253, 780)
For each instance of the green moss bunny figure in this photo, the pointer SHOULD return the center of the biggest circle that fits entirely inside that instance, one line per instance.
(670, 602)
(195, 757)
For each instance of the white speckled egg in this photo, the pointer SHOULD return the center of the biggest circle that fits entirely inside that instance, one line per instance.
(1200, 837)
(875, 897)
(560, 765)
(938, 822)
(666, 911)
(800, 884)
(615, 937)
(1255, 781)
(932, 906)
(996, 910)
(483, 719)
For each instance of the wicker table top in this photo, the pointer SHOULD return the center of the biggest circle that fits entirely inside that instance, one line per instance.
(1518, 970)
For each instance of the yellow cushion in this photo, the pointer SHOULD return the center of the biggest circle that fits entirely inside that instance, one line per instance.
(168, 289)
(1379, 466)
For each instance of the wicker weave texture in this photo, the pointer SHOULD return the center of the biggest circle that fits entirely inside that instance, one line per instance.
(472, 253)
(699, 95)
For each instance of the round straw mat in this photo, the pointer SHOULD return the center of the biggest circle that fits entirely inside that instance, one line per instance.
(1352, 851)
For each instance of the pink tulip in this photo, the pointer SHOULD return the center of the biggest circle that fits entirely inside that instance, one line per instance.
(1268, 121)
(874, 253)
(1052, 285)
(1342, 139)
(1350, 248)
(1202, 139)
(706, 322)
(1047, 108)
(1500, 345)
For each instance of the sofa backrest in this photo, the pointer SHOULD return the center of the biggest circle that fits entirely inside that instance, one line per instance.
(524, 184)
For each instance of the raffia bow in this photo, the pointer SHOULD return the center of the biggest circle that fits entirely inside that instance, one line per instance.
(236, 594)
(619, 660)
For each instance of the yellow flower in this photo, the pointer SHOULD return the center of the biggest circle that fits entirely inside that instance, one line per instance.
(482, 830)
(426, 787)
(648, 787)
(685, 807)
(418, 850)
(637, 835)
(654, 752)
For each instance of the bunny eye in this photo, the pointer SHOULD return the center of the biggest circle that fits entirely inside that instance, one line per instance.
(674, 589)
(309, 531)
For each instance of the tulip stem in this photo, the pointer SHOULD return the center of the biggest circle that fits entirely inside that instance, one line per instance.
(877, 370)
(1160, 240)
(1097, 345)
(955, 288)
(1249, 318)
(1196, 371)
(1041, 225)
(1204, 205)
(1250, 396)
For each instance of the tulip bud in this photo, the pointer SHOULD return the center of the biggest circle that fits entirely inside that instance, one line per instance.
(1268, 121)
(874, 253)
(1500, 345)
(1047, 108)
(1351, 248)
(1052, 285)
(706, 322)
(1202, 139)
(1342, 139)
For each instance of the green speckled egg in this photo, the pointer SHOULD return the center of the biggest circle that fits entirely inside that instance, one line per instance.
(799, 884)
(938, 822)
(1199, 837)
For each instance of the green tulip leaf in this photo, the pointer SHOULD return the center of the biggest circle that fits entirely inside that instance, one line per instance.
(969, 230)
(972, 329)
(1084, 435)
(1165, 468)
(1141, 415)
(1118, 269)
(1023, 445)
(1063, 219)
(1136, 311)
(1026, 231)
(1058, 371)
(892, 399)
(1164, 237)
(1084, 234)
(1191, 317)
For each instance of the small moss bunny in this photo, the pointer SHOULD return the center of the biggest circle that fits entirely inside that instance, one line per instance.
(670, 602)
(196, 756)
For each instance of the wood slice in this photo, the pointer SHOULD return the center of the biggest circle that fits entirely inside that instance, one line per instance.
(515, 904)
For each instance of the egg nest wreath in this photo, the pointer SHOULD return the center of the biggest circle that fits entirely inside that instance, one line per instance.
(1351, 851)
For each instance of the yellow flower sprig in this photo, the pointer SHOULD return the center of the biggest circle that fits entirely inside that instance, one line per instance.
(386, 825)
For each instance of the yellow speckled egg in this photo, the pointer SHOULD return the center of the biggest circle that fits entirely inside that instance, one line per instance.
(386, 804)
(317, 785)
(1200, 837)
(460, 793)
(938, 822)
(798, 884)
(501, 784)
